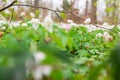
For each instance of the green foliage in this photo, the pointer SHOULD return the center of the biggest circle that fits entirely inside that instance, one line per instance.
(63, 15)
(74, 55)
(116, 62)
(37, 13)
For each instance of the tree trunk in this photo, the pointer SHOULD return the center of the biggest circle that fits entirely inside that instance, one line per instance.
(36, 3)
(86, 8)
(115, 13)
(93, 12)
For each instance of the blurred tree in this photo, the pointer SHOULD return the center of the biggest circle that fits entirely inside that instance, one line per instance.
(112, 11)
(93, 11)
(86, 8)
(69, 6)
(36, 2)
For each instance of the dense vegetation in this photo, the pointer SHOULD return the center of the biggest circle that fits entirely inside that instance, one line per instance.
(39, 42)
(74, 54)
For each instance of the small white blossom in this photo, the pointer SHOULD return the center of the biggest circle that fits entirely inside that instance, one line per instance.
(87, 21)
(99, 35)
(69, 21)
(91, 27)
(47, 70)
(2, 23)
(15, 24)
(35, 23)
(107, 37)
(62, 25)
(24, 24)
(7, 11)
(118, 26)
(105, 24)
(39, 56)
(108, 26)
(32, 14)
(39, 71)
(36, 68)
(22, 14)
(48, 23)
(74, 24)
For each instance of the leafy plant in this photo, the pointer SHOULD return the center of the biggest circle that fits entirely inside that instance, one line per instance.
(75, 54)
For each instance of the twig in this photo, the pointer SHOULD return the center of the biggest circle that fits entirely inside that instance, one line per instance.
(10, 5)
(76, 15)
(5, 30)
(9, 21)
(59, 16)
(101, 27)
(69, 12)
(40, 7)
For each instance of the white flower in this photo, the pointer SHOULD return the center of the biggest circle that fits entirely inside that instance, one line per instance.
(74, 24)
(48, 23)
(24, 24)
(35, 23)
(91, 27)
(105, 24)
(39, 71)
(62, 25)
(15, 24)
(87, 21)
(39, 56)
(2, 23)
(118, 26)
(22, 14)
(108, 26)
(107, 37)
(69, 21)
(99, 35)
(7, 11)
(32, 14)
(47, 70)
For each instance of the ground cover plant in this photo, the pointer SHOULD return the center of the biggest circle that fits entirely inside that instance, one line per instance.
(74, 54)
(44, 43)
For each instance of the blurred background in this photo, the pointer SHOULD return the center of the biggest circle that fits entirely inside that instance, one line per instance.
(98, 10)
